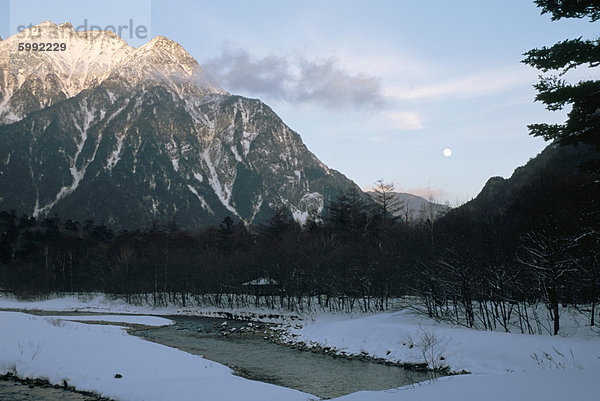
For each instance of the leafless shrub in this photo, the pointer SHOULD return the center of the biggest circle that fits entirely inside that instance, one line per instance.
(56, 322)
(549, 361)
(431, 349)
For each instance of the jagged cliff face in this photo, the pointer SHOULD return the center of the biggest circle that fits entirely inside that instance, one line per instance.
(108, 132)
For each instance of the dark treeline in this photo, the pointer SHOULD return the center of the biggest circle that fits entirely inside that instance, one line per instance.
(531, 240)
(351, 259)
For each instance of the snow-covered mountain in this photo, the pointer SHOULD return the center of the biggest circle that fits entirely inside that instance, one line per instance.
(32, 80)
(108, 132)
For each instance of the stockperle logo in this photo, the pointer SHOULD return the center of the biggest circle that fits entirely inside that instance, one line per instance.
(127, 31)
(30, 19)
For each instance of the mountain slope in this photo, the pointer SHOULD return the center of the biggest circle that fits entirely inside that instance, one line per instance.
(145, 136)
(553, 185)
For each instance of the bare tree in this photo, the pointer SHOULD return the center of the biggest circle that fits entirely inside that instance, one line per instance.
(546, 254)
(389, 206)
(125, 256)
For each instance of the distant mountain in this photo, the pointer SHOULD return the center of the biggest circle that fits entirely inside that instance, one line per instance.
(120, 135)
(414, 208)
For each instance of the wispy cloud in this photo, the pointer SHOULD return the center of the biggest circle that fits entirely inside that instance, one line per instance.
(404, 121)
(475, 85)
(295, 80)
(388, 125)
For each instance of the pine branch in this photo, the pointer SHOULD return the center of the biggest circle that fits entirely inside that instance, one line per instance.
(556, 93)
(549, 132)
(565, 55)
(570, 8)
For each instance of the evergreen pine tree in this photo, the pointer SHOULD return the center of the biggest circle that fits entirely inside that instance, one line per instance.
(583, 121)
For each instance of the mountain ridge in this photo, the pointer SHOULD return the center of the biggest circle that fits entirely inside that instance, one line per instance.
(554, 185)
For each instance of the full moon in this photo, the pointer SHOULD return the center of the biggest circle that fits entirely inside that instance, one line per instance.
(447, 152)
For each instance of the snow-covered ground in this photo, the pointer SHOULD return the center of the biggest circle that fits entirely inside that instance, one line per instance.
(114, 319)
(504, 366)
(89, 356)
(399, 337)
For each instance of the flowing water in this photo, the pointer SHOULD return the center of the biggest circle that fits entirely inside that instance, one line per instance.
(255, 358)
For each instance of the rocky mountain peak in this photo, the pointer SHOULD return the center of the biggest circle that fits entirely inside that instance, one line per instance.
(166, 63)
(162, 43)
(147, 132)
(32, 79)
(66, 25)
(165, 55)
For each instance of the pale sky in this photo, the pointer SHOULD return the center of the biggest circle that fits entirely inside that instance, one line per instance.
(376, 89)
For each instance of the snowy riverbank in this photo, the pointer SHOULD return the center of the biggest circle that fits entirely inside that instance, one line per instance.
(99, 303)
(515, 366)
(405, 337)
(108, 361)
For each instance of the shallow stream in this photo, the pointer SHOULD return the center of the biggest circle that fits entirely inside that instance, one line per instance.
(253, 357)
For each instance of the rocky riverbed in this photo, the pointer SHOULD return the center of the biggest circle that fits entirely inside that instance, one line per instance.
(277, 335)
